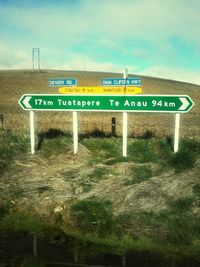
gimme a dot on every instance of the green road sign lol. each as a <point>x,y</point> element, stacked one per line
<point>135,103</point>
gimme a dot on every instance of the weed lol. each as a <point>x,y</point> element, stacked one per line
<point>86,186</point>
<point>4,208</point>
<point>182,204</point>
<point>26,261</point>
<point>139,151</point>
<point>180,230</point>
<point>103,148</point>
<point>55,146</point>
<point>98,174</point>
<point>148,134</point>
<point>140,174</point>
<point>22,222</point>
<point>11,145</point>
<point>94,134</point>
<point>182,160</point>
<point>196,190</point>
<point>186,157</point>
<point>191,145</point>
<point>93,216</point>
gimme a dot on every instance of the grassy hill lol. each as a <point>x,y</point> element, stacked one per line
<point>13,84</point>
<point>145,204</point>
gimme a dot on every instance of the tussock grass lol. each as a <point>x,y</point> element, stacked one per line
<point>93,216</point>
<point>140,174</point>
<point>53,141</point>
<point>11,146</point>
<point>109,150</point>
<point>98,174</point>
<point>186,157</point>
<point>171,230</point>
<point>22,222</point>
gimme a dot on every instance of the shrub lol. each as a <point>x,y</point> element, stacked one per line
<point>196,190</point>
<point>11,145</point>
<point>140,174</point>
<point>139,151</point>
<point>182,204</point>
<point>186,157</point>
<point>148,134</point>
<point>3,209</point>
<point>180,230</point>
<point>25,261</point>
<point>182,160</point>
<point>98,174</point>
<point>22,222</point>
<point>55,145</point>
<point>93,216</point>
<point>103,148</point>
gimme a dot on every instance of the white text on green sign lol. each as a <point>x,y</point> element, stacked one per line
<point>136,103</point>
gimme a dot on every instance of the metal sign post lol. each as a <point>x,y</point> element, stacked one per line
<point>125,123</point>
<point>176,132</point>
<point>75,131</point>
<point>32,131</point>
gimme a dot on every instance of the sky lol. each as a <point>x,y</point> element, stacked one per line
<point>148,37</point>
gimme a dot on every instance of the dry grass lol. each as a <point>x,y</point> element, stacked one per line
<point>13,84</point>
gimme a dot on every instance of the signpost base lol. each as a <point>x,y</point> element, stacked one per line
<point>176,132</point>
<point>125,133</point>
<point>125,123</point>
<point>75,131</point>
<point>32,131</point>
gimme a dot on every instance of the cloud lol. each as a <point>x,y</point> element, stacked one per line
<point>107,35</point>
<point>151,20</point>
<point>81,62</point>
<point>11,58</point>
<point>177,74</point>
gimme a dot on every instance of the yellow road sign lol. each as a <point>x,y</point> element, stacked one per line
<point>104,90</point>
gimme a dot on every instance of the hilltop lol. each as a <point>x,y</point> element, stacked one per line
<point>13,84</point>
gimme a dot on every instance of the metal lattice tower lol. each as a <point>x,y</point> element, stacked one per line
<point>36,59</point>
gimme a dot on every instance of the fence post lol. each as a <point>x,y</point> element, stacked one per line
<point>113,126</point>
<point>124,260</point>
<point>1,120</point>
<point>76,257</point>
<point>34,245</point>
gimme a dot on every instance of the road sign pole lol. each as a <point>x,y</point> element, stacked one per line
<point>32,132</point>
<point>176,132</point>
<point>125,124</point>
<point>75,131</point>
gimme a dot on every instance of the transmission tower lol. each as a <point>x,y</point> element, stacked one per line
<point>36,59</point>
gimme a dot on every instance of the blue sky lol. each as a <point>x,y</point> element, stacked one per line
<point>149,37</point>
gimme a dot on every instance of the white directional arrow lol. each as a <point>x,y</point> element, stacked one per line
<point>26,102</point>
<point>185,103</point>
